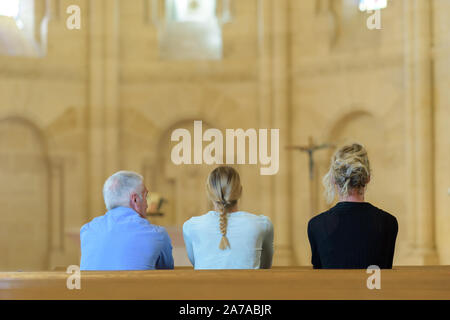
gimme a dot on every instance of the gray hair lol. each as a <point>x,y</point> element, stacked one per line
<point>119,187</point>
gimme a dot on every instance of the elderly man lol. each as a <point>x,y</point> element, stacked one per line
<point>123,239</point>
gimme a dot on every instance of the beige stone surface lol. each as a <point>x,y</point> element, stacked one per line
<point>102,99</point>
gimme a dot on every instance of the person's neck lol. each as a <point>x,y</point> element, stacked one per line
<point>352,198</point>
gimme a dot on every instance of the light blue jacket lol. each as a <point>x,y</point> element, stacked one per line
<point>250,237</point>
<point>122,240</point>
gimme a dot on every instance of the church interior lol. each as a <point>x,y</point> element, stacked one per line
<point>89,88</point>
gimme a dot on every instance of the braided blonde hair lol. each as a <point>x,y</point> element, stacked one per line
<point>224,189</point>
<point>349,171</point>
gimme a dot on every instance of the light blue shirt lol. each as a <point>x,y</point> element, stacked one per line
<point>250,237</point>
<point>122,240</point>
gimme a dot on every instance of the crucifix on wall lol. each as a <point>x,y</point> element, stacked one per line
<point>310,149</point>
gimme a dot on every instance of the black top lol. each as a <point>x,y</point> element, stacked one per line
<point>352,235</point>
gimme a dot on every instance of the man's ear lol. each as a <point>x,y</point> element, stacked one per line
<point>133,201</point>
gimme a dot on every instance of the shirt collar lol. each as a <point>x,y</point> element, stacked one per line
<point>122,211</point>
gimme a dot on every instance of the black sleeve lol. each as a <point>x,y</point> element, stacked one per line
<point>392,239</point>
<point>315,259</point>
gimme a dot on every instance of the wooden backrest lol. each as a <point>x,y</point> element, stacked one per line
<point>284,283</point>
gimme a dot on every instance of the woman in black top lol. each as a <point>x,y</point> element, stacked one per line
<point>353,234</point>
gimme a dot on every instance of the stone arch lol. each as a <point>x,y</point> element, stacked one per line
<point>213,107</point>
<point>24,196</point>
<point>347,119</point>
<point>184,184</point>
<point>192,101</point>
<point>148,124</point>
<point>357,125</point>
<point>371,131</point>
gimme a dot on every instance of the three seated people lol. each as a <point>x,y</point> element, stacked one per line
<point>353,234</point>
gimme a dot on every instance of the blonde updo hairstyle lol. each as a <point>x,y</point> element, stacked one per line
<point>224,190</point>
<point>349,172</point>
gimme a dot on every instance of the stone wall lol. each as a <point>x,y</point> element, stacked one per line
<point>102,100</point>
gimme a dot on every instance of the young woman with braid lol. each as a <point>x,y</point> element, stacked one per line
<point>227,238</point>
<point>353,234</point>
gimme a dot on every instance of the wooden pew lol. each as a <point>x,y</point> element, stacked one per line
<point>279,283</point>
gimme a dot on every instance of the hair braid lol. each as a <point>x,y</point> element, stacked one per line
<point>224,190</point>
<point>223,230</point>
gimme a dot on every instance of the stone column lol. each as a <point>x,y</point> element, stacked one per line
<point>56,223</point>
<point>112,66</point>
<point>281,115</point>
<point>274,114</point>
<point>265,92</point>
<point>441,73</point>
<point>420,144</point>
<point>103,100</point>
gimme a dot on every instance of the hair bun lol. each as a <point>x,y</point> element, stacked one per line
<point>349,171</point>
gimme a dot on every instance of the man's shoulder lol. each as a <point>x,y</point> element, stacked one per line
<point>153,228</point>
<point>95,222</point>
<point>146,231</point>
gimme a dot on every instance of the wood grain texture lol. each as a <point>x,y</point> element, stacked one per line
<point>280,283</point>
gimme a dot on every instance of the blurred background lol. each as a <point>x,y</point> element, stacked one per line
<point>88,88</point>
